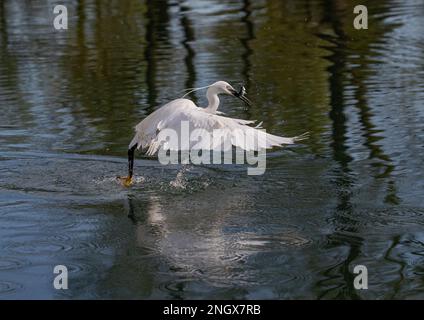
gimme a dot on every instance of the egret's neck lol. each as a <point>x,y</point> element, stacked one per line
<point>213,101</point>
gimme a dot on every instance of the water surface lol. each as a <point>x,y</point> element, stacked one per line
<point>352,194</point>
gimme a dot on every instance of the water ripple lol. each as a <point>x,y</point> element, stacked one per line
<point>7,263</point>
<point>37,248</point>
<point>8,287</point>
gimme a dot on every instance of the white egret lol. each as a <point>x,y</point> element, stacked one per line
<point>172,114</point>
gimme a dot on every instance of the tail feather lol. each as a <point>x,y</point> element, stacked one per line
<point>301,137</point>
<point>273,140</point>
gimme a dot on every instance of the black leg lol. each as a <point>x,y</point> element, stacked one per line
<point>131,161</point>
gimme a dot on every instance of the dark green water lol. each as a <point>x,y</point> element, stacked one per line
<point>352,194</point>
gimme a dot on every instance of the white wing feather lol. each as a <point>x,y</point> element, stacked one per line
<point>171,115</point>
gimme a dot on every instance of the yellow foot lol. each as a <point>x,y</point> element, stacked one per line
<point>125,181</point>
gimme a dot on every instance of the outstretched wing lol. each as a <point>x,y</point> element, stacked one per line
<point>185,127</point>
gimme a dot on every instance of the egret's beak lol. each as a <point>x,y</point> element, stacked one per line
<point>241,95</point>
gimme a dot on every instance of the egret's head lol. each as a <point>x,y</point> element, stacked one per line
<point>225,87</point>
